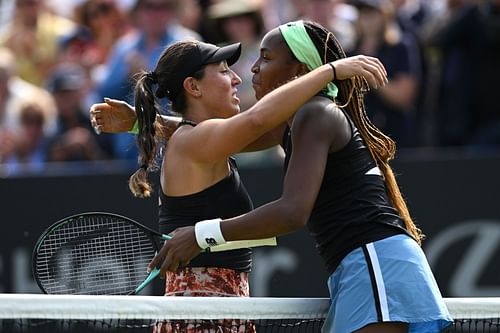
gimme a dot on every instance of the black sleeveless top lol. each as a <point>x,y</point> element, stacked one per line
<point>225,199</point>
<point>352,208</point>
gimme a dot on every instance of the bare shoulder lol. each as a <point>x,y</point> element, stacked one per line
<point>323,119</point>
<point>319,110</point>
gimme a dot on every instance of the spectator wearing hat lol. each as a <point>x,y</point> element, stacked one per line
<point>75,139</point>
<point>240,21</point>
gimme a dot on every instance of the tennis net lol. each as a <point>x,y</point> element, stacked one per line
<point>74,313</point>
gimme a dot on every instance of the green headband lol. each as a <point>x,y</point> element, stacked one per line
<point>303,49</point>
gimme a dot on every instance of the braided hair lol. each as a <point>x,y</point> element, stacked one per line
<point>351,98</point>
<point>147,107</point>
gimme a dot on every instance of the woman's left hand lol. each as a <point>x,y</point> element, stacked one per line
<point>176,252</point>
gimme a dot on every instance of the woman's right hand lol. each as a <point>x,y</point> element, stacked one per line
<point>112,116</point>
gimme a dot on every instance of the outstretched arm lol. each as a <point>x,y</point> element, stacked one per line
<point>289,213</point>
<point>115,116</point>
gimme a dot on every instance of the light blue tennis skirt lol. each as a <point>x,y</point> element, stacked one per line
<point>385,281</point>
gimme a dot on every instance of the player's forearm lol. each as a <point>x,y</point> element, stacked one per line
<point>273,219</point>
<point>280,104</point>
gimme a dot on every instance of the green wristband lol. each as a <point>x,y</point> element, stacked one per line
<point>135,128</point>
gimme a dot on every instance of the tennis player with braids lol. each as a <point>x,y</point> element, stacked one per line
<point>199,179</point>
<point>339,183</point>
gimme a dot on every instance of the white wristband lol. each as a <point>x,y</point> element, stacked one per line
<point>208,233</point>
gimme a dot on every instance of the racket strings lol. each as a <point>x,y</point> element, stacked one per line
<point>94,255</point>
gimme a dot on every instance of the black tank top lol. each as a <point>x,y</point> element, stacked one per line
<point>225,199</point>
<point>352,208</point>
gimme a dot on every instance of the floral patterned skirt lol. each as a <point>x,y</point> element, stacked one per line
<point>206,281</point>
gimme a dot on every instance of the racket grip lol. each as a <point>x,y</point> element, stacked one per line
<point>154,273</point>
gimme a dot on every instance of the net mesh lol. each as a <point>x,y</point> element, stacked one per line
<point>87,313</point>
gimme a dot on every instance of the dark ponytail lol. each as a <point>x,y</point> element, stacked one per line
<point>146,110</point>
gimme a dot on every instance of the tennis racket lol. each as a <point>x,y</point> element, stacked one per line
<point>100,253</point>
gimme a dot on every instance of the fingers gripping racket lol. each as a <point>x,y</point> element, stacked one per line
<point>103,254</point>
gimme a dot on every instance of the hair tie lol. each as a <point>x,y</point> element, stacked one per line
<point>145,167</point>
<point>152,76</point>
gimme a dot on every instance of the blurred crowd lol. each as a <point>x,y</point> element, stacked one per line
<point>58,58</point>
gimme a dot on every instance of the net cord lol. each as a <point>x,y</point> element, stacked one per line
<point>86,307</point>
<point>83,307</point>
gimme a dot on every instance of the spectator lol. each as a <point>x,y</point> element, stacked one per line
<point>276,12</point>
<point>33,35</point>
<point>15,92</point>
<point>100,24</point>
<point>27,148</point>
<point>75,139</point>
<point>190,14</point>
<point>468,112</point>
<point>155,27</point>
<point>392,108</point>
<point>336,15</point>
<point>412,17</point>
<point>240,21</point>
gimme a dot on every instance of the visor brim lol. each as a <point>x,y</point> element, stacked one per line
<point>230,53</point>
